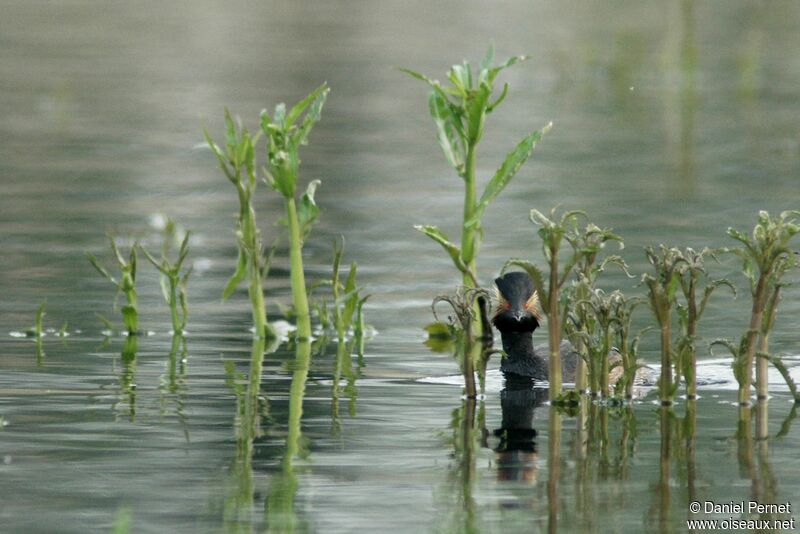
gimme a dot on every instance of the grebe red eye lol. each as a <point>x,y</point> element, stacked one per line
<point>507,306</point>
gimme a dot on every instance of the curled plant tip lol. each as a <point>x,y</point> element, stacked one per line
<point>463,304</point>
<point>784,371</point>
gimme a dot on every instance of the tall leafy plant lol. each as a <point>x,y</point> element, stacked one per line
<point>692,275</point>
<point>238,162</point>
<point>459,110</point>
<point>587,244</point>
<point>661,292</point>
<point>552,231</point>
<point>766,257</point>
<point>286,131</point>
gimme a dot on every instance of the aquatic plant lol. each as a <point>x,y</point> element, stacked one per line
<point>627,343</point>
<point>766,258</point>
<point>348,304</point>
<point>238,163</point>
<point>284,138</point>
<point>605,308</point>
<point>126,284</point>
<point>552,232</point>
<point>691,272</point>
<point>472,356</point>
<point>345,313</point>
<point>586,247</point>
<point>662,290</point>
<point>763,350</point>
<point>459,111</point>
<point>37,330</point>
<point>173,277</point>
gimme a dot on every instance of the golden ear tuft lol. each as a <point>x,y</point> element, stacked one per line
<point>500,302</point>
<point>533,306</point>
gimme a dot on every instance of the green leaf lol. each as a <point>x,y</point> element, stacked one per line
<point>352,299</point>
<point>158,265</point>
<point>40,313</point>
<point>184,250</point>
<point>441,238</point>
<point>419,76</point>
<point>787,377</point>
<point>108,324</point>
<point>486,62</point>
<point>493,72</point>
<point>338,250</point>
<point>461,78</point>
<point>441,337</point>
<point>308,211</point>
<point>477,103</point>
<point>499,99</point>
<point>447,132</point>
<point>230,133</point>
<point>165,287</point>
<point>301,106</point>
<point>223,160</point>
<point>100,268</point>
<point>313,116</point>
<point>238,276</point>
<point>506,172</point>
<point>434,84</point>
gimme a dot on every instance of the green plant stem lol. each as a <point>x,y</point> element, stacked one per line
<point>580,371</point>
<point>469,237</point>
<point>256,292</point>
<point>177,328</point>
<point>762,364</point>
<point>756,317</point>
<point>299,294</point>
<point>666,368</point>
<point>627,362</point>
<point>469,367</point>
<point>131,320</point>
<point>554,329</point>
<point>691,333</point>
<point>606,346</point>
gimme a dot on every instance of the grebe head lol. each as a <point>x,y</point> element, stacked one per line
<point>517,303</point>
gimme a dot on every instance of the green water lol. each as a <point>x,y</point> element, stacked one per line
<point>672,121</point>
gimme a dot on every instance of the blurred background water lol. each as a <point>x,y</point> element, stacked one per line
<point>672,121</point>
